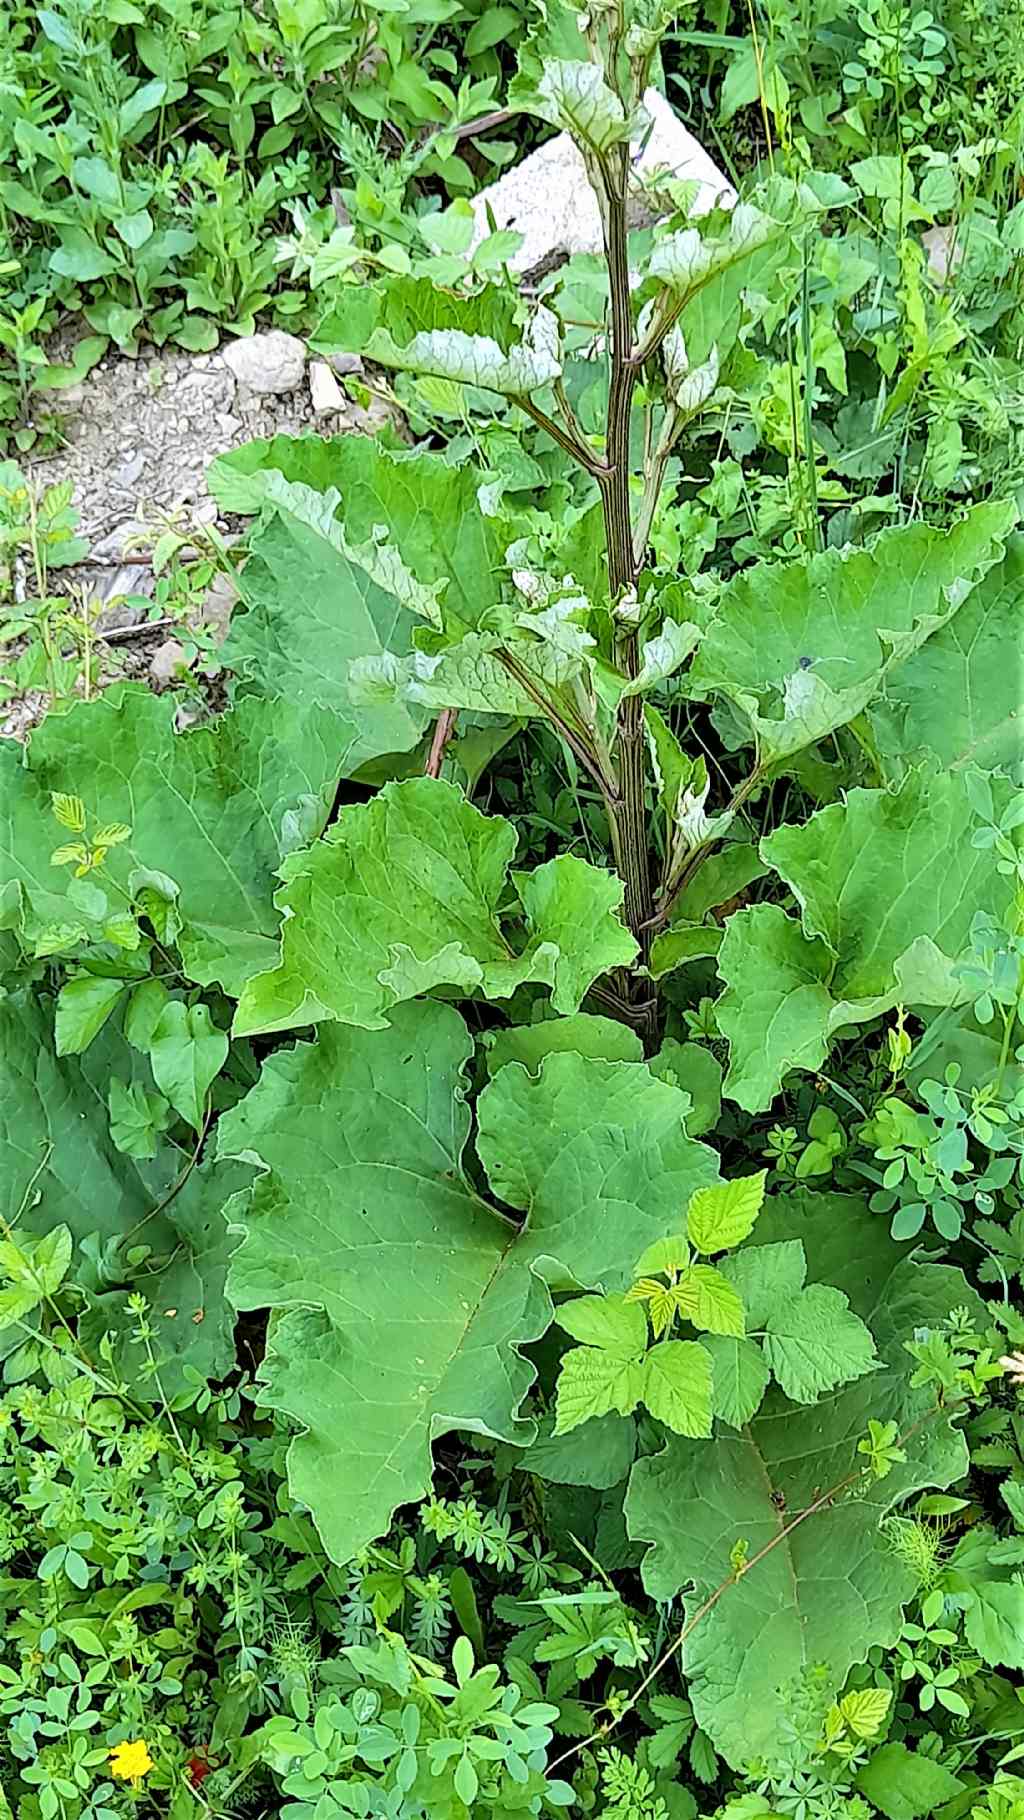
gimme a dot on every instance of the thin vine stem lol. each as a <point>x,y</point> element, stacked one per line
<point>820,1503</point>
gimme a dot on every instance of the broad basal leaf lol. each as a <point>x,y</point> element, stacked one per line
<point>403,894</point>
<point>312,612</point>
<point>960,697</point>
<point>216,809</point>
<point>599,1456</point>
<point>59,1166</point>
<point>400,1299</point>
<point>994,1623</point>
<point>427,504</point>
<point>602,1038</point>
<point>889,883</point>
<point>802,647</point>
<point>830,1588</point>
<point>410,324</point>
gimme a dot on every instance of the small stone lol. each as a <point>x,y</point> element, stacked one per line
<point>272,362</point>
<point>218,606</point>
<point>229,424</point>
<point>129,471</point>
<point>344,364</point>
<point>166,661</point>
<point>206,513</point>
<point>324,390</point>
<point>116,541</point>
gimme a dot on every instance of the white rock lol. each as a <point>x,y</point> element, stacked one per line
<point>945,251</point>
<point>228,424</point>
<point>274,362</point>
<point>548,199</point>
<point>324,390</point>
<point>167,660</point>
<point>218,606</point>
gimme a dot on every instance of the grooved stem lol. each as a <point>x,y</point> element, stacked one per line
<point>629,821</point>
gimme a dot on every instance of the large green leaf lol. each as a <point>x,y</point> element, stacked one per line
<point>428,505</point>
<point>961,696</point>
<point>59,1166</point>
<point>410,324</point>
<point>311,613</point>
<point>216,809</point>
<point>400,1298</point>
<point>831,1589</point>
<point>54,1126</point>
<point>802,647</point>
<point>403,894</point>
<point>889,883</point>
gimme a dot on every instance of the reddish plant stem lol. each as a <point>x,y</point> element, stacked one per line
<point>443,731</point>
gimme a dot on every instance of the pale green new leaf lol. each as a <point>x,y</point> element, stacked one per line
<point>802,647</point>
<point>592,1383</point>
<point>611,1322</point>
<point>471,674</point>
<point>409,324</point>
<point>959,697</point>
<point>687,258</point>
<point>831,1588</point>
<point>719,1218</point>
<point>889,883</point>
<point>710,1301</point>
<point>575,97</point>
<point>403,894</point>
<point>677,1386</point>
<point>216,805</point>
<point>400,1299</point>
<point>815,1342</point>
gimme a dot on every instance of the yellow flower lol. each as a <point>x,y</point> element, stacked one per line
<point>131,1761</point>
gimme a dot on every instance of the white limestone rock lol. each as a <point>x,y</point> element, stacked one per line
<point>271,362</point>
<point>548,199</point>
